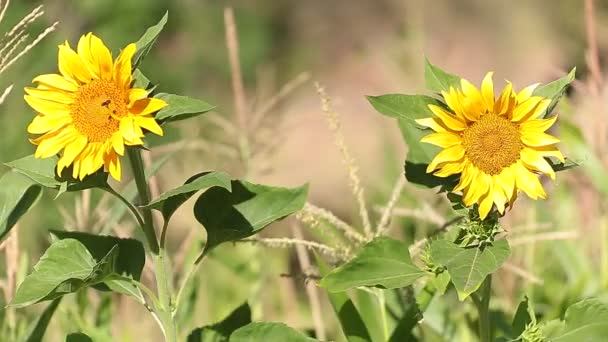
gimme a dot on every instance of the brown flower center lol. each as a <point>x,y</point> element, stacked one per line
<point>492,143</point>
<point>97,109</point>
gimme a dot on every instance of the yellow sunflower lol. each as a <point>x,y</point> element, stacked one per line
<point>89,112</point>
<point>497,145</point>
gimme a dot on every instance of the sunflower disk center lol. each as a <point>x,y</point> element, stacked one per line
<point>492,143</point>
<point>97,109</point>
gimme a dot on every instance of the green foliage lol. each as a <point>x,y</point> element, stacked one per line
<point>220,332</point>
<point>78,337</point>
<point>249,208</point>
<point>17,195</point>
<point>170,201</point>
<point>383,262</point>
<point>65,267</point>
<point>145,43</point>
<point>350,321</point>
<point>438,80</point>
<point>129,262</point>
<point>469,266</point>
<point>180,107</point>
<point>268,332</point>
<point>586,320</point>
<point>555,90</point>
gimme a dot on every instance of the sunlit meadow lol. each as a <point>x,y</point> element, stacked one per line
<point>303,171</point>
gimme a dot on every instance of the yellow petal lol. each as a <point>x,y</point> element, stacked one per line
<point>537,125</point>
<point>53,143</point>
<point>505,101</point>
<point>147,106</point>
<point>71,66</point>
<point>538,139</point>
<point>536,162</point>
<point>486,201</point>
<point>487,91</point>
<point>51,95</point>
<point>433,124</point>
<point>112,164</point>
<point>46,123</point>
<point>454,101</point>
<point>84,52</point>
<point>98,56</point>
<point>478,187</point>
<point>528,182</point>
<point>56,81</point>
<point>498,195</point>
<point>130,132</point>
<point>449,154</point>
<point>506,181</point>
<point>136,94</point>
<point>442,139</point>
<point>118,143</point>
<point>71,151</point>
<point>149,123</point>
<point>468,173</point>
<point>450,169</point>
<point>47,107</point>
<point>525,93</point>
<point>525,108</point>
<point>550,151</point>
<point>123,68</point>
<point>450,120</point>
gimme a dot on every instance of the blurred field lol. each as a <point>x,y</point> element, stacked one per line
<point>354,48</point>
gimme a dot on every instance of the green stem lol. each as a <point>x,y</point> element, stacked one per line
<point>482,300</point>
<point>161,269</point>
<point>133,210</point>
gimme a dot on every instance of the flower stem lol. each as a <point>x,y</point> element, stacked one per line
<point>482,300</point>
<point>137,167</point>
<point>161,269</point>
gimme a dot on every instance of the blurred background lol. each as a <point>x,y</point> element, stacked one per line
<point>353,48</point>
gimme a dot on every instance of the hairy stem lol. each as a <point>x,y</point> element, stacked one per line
<point>482,301</point>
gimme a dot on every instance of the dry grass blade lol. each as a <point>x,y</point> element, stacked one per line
<point>388,210</point>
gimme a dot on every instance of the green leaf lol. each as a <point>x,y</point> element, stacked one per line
<point>555,90</point>
<point>566,165</point>
<point>129,261</point>
<point>406,107</point>
<point>220,332</point>
<point>249,208</point>
<point>168,202</point>
<point>145,43</point>
<point>41,171</point>
<point>350,321</point>
<point>140,80</point>
<point>17,195</point>
<point>468,267</point>
<point>180,107</point>
<point>408,320</point>
<point>586,320</point>
<point>383,262</point>
<point>441,282</point>
<point>268,332</point>
<point>78,337</point>
<point>524,315</point>
<point>65,267</point>
<point>38,328</point>
<point>438,80</point>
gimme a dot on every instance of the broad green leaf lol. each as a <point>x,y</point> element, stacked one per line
<point>168,202</point>
<point>406,107</point>
<point>438,80</point>
<point>383,262</point>
<point>180,107</point>
<point>37,330</point>
<point>268,332</point>
<point>468,267</point>
<point>17,195</point>
<point>78,337</point>
<point>249,208</point>
<point>368,306</point>
<point>524,315</point>
<point>140,80</point>
<point>586,320</point>
<point>441,282</point>
<point>350,321</point>
<point>145,43</point>
<point>65,267</point>
<point>555,90</point>
<point>42,171</point>
<point>129,261</point>
<point>220,332</point>
<point>566,165</point>
<point>407,321</point>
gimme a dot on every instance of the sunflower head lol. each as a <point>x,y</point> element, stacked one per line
<point>497,145</point>
<point>89,112</point>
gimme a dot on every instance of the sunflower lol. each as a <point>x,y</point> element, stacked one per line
<point>497,145</point>
<point>89,112</point>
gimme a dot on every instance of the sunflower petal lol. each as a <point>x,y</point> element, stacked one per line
<point>123,68</point>
<point>538,139</point>
<point>51,95</point>
<point>505,100</point>
<point>450,120</point>
<point>536,162</point>
<point>442,139</point>
<point>525,108</point>
<point>486,201</point>
<point>46,123</point>
<point>526,93</point>
<point>450,169</point>
<point>528,182</point>
<point>71,65</point>
<point>487,91</point>
<point>537,125</point>
<point>432,123</point>
<point>449,154</point>
<point>56,81</point>
<point>147,106</point>
<point>102,57</point>
<point>47,107</point>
